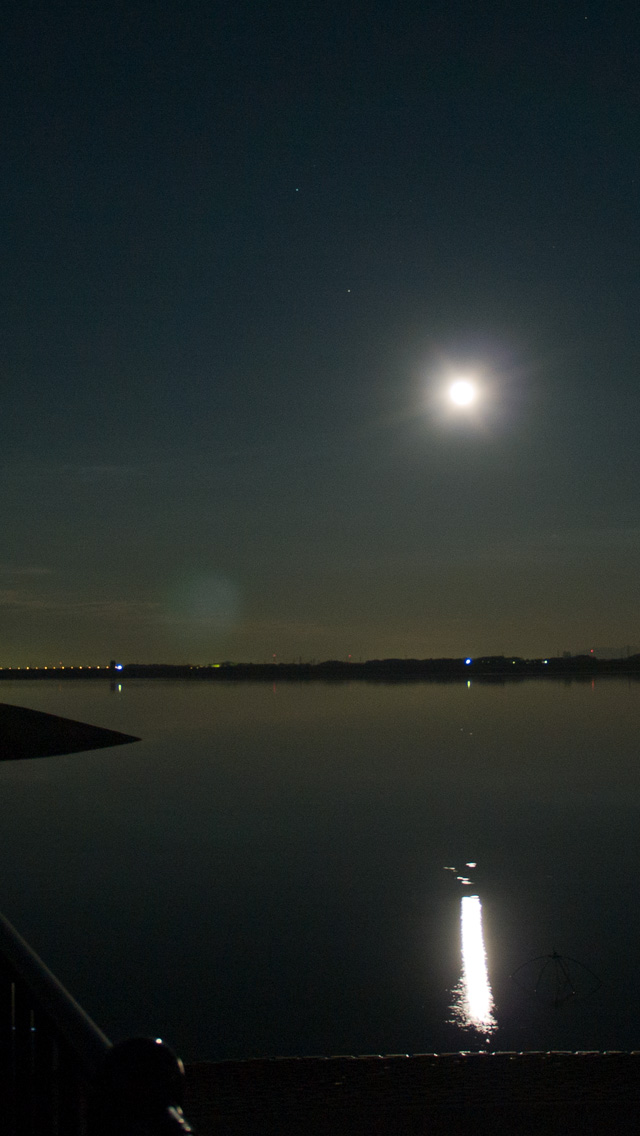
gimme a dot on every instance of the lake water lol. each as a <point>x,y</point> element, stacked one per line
<point>268,872</point>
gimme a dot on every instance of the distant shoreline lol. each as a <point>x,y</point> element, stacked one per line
<point>486,667</point>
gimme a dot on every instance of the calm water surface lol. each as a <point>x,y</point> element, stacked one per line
<point>283,871</point>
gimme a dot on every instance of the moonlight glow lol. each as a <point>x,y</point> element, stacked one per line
<point>463,392</point>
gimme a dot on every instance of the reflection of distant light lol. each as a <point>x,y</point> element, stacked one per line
<point>468,684</point>
<point>119,688</point>
<point>473,1005</point>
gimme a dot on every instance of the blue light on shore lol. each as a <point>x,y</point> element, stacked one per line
<point>118,666</point>
<point>468,662</point>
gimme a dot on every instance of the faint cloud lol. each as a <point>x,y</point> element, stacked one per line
<point>32,570</point>
<point>297,627</point>
<point>35,471</point>
<point>141,611</point>
<point>554,546</point>
<point>138,611</point>
<point>109,473</point>
<point>20,598</point>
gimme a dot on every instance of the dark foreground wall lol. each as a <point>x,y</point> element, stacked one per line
<point>30,733</point>
<point>447,1095</point>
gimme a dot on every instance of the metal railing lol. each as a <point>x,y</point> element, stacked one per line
<point>60,1075</point>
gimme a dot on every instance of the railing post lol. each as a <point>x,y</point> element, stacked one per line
<point>141,1091</point>
<point>60,1075</point>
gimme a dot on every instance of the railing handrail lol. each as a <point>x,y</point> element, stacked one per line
<point>135,1086</point>
<point>89,1044</point>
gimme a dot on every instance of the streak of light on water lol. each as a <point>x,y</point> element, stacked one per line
<point>473,1005</point>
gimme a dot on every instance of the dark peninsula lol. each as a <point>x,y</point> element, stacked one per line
<point>28,733</point>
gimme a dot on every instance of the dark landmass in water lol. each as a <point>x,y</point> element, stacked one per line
<point>489,667</point>
<point>29,733</point>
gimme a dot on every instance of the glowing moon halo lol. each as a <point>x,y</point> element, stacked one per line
<point>462,392</point>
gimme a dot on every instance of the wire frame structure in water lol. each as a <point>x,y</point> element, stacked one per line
<point>554,979</point>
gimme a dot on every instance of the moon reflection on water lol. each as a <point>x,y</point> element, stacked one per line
<point>473,1005</point>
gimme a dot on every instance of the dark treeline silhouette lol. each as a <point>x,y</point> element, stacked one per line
<point>487,667</point>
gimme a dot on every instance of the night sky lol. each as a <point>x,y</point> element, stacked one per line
<point>246,248</point>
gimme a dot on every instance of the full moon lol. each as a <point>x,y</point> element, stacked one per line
<point>462,392</point>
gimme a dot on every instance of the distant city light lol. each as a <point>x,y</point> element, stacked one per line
<point>468,662</point>
<point>118,666</point>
